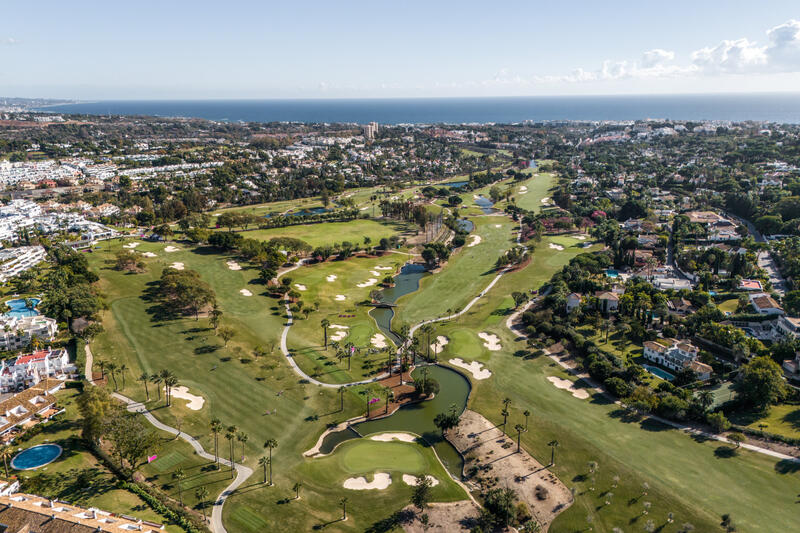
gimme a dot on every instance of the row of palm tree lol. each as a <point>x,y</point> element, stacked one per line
<point>167,377</point>
<point>113,368</point>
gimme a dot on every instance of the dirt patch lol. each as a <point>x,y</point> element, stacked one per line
<point>487,449</point>
<point>443,517</point>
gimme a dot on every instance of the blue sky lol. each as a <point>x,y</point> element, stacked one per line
<point>239,49</point>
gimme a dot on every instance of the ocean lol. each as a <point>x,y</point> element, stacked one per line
<point>774,107</point>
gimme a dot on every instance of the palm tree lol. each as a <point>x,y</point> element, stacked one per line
<point>230,434</point>
<point>216,427</point>
<point>164,375</point>
<point>389,397</point>
<point>341,398</point>
<point>123,368</point>
<point>5,453</point>
<point>242,437</point>
<point>263,462</point>
<point>519,428</point>
<point>325,323</point>
<point>201,494</point>
<point>526,414</point>
<point>144,378</point>
<point>112,367</point>
<point>270,444</point>
<point>179,475</point>
<point>156,380</point>
<point>103,365</point>
<point>343,503</point>
<point>296,489</point>
<point>553,445</point>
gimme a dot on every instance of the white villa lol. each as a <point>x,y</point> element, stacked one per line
<point>29,369</point>
<point>17,332</point>
<point>676,356</point>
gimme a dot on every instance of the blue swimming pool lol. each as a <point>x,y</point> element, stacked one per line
<point>611,273</point>
<point>663,374</point>
<point>36,456</point>
<point>19,308</point>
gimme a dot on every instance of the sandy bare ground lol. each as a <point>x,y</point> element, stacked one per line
<point>476,240</point>
<point>195,403</point>
<point>492,341</point>
<point>245,292</point>
<point>475,368</point>
<point>438,346</point>
<point>566,384</point>
<point>380,481</point>
<point>148,254</point>
<point>177,266</point>
<point>442,517</point>
<point>410,480</point>
<point>481,443</point>
<point>555,246</point>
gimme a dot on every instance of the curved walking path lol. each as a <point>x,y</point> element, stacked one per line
<point>242,472</point>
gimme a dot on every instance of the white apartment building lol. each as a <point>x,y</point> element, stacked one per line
<point>28,370</point>
<point>16,260</point>
<point>17,332</point>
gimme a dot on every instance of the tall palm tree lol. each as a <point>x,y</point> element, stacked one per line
<point>179,475</point>
<point>242,437</point>
<point>230,434</point>
<point>156,380</point>
<point>553,445</point>
<point>170,381</point>
<point>144,378</point>
<point>270,444</point>
<point>123,369</point>
<point>325,323</point>
<point>103,365</point>
<point>6,452</point>
<point>343,503</point>
<point>296,489</point>
<point>165,374</point>
<point>216,427</point>
<point>526,414</point>
<point>263,462</point>
<point>112,367</point>
<point>389,397</point>
<point>519,428</point>
<point>201,494</point>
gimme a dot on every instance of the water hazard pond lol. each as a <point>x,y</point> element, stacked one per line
<point>418,418</point>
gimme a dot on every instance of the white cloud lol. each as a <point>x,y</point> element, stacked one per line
<point>656,57</point>
<point>8,41</point>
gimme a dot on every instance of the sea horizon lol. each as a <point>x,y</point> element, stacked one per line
<point>783,107</point>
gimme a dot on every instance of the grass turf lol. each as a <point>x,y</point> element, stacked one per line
<point>323,233</point>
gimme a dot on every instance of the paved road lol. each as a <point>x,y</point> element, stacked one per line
<point>765,259</point>
<point>242,472</point>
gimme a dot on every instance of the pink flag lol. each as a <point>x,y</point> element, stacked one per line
<point>374,400</point>
<point>152,458</point>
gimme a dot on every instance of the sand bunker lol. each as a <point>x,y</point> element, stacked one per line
<point>523,190</point>
<point>387,437</point>
<point>369,283</point>
<point>245,292</point>
<point>475,368</point>
<point>475,196</point>
<point>498,225</point>
<point>580,237</point>
<point>374,273</point>
<point>555,246</point>
<point>476,240</point>
<point>570,386</point>
<point>195,403</point>
<point>378,341</point>
<point>379,482</point>
<point>545,200</point>
<point>439,345</point>
<point>340,297</point>
<point>177,266</point>
<point>148,254</point>
<point>331,278</point>
<point>170,249</point>
<point>412,480</point>
<point>383,268</point>
<point>131,245</point>
<point>364,208</point>
<point>340,334</point>
<point>492,341</point>
<point>233,265</point>
<point>300,287</point>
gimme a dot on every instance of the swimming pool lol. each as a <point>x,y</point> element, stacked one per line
<point>663,374</point>
<point>611,273</point>
<point>36,456</point>
<point>19,309</point>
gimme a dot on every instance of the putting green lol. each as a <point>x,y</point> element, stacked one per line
<point>369,456</point>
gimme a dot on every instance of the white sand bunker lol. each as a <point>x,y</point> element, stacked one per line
<point>374,272</point>
<point>170,249</point>
<point>523,190</point>
<point>545,200</point>
<point>580,237</point>
<point>387,437</point>
<point>555,246</point>
<point>379,482</point>
<point>233,265</point>
<point>148,254</point>
<point>340,297</point>
<point>568,385</point>
<point>341,332</point>
<point>300,287</point>
<point>245,292</point>
<point>330,278</point>
<point>475,368</point>
<point>412,480</point>
<point>439,345</point>
<point>195,403</point>
<point>383,268</point>
<point>369,283</point>
<point>131,245</point>
<point>177,266</point>
<point>492,341</point>
<point>475,196</point>
<point>498,225</point>
<point>476,240</point>
<point>378,341</point>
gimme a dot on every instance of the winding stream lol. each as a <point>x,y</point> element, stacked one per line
<point>407,281</point>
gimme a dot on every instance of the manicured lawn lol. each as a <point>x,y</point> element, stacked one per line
<point>729,305</point>
<point>782,420</point>
<point>353,231</point>
<point>539,187</point>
